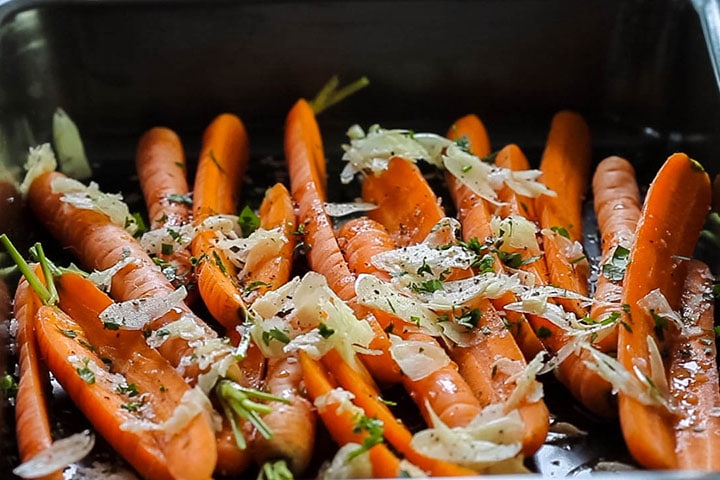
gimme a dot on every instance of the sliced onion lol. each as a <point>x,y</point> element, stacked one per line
<point>59,455</point>
<point>135,314</point>
<point>417,359</point>
<point>345,209</point>
<point>40,159</point>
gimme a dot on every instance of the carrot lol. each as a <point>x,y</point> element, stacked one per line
<point>617,208</point>
<point>223,161</point>
<point>292,424</point>
<point>341,423</point>
<point>443,390</point>
<point>471,127</point>
<point>160,165</point>
<point>566,169</point>
<point>324,255</point>
<point>32,422</point>
<point>265,273</point>
<point>407,206</point>
<point>100,244</point>
<point>368,398</point>
<point>694,374</point>
<point>512,158</point>
<point>188,454</point>
<point>667,232</point>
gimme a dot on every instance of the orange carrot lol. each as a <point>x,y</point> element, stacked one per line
<point>693,374</point>
<point>367,397</point>
<point>667,232</point>
<point>512,158</point>
<point>566,169</point>
<point>100,244</point>
<point>474,215</point>
<point>223,161</point>
<point>617,208</point>
<point>292,424</point>
<point>407,206</point>
<point>190,453</point>
<point>471,127</point>
<point>160,165</point>
<point>32,422</point>
<point>265,273</point>
<point>324,255</point>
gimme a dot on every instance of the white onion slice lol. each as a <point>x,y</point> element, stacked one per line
<point>59,455</point>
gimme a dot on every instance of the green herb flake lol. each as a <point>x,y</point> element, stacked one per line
<point>252,286</point>
<point>8,386</point>
<point>211,154</point>
<point>275,334</point>
<point>466,168</point>
<point>129,389</point>
<point>219,262</point>
<point>428,286</point>
<point>111,325</point>
<point>248,221</point>
<point>424,268</point>
<point>375,430</point>
<point>85,373</point>
<point>464,143</point>
<point>70,333</point>
<point>614,269</point>
<point>543,332</point>
<point>562,231</point>
<point>180,198</point>
<point>470,319</point>
<point>166,249</point>
<point>324,330</point>
<point>86,344</point>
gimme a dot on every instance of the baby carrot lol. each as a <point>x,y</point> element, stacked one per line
<point>666,234</point>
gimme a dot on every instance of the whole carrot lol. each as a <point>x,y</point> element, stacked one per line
<point>32,424</point>
<point>666,234</point>
<point>160,165</point>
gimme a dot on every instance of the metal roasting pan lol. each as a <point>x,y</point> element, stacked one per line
<point>642,72</point>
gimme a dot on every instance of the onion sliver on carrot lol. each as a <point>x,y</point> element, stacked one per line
<point>666,235</point>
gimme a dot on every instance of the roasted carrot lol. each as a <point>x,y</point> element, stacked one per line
<point>292,424</point>
<point>32,424</point>
<point>513,203</point>
<point>324,255</point>
<point>617,202</point>
<point>693,373</point>
<point>224,158</point>
<point>472,128</point>
<point>407,206</point>
<point>270,272</point>
<point>82,374</point>
<point>666,234</point>
<point>100,244</point>
<point>160,165</point>
<point>474,215</point>
<point>443,390</point>
<point>566,169</point>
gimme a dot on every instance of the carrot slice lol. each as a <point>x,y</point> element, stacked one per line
<point>667,232</point>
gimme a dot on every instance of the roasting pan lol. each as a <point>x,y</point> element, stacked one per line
<point>642,72</point>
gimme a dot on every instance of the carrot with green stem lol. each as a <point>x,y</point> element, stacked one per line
<point>32,420</point>
<point>324,255</point>
<point>665,237</point>
<point>161,169</point>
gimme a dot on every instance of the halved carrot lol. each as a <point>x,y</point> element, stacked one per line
<point>32,424</point>
<point>512,158</point>
<point>407,206</point>
<point>693,374</point>
<point>190,453</point>
<point>224,158</point>
<point>667,232</point>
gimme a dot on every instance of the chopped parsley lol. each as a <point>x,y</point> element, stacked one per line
<point>8,385</point>
<point>183,199</point>
<point>211,154</point>
<point>166,249</point>
<point>562,231</point>
<point>543,332</point>
<point>614,269</point>
<point>275,334</point>
<point>248,221</point>
<point>428,286</point>
<point>325,331</point>
<point>424,268</point>
<point>485,264</point>
<point>129,389</point>
<point>515,260</point>
<point>85,373</point>
<point>375,430</point>
<point>464,144</point>
<point>70,333</point>
<point>219,262</point>
<point>111,325</point>
<point>470,319</point>
<point>661,324</point>
<point>254,285</point>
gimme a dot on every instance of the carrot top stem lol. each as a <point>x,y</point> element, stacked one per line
<point>47,294</point>
<point>329,95</point>
<point>241,401</point>
<point>277,470</point>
